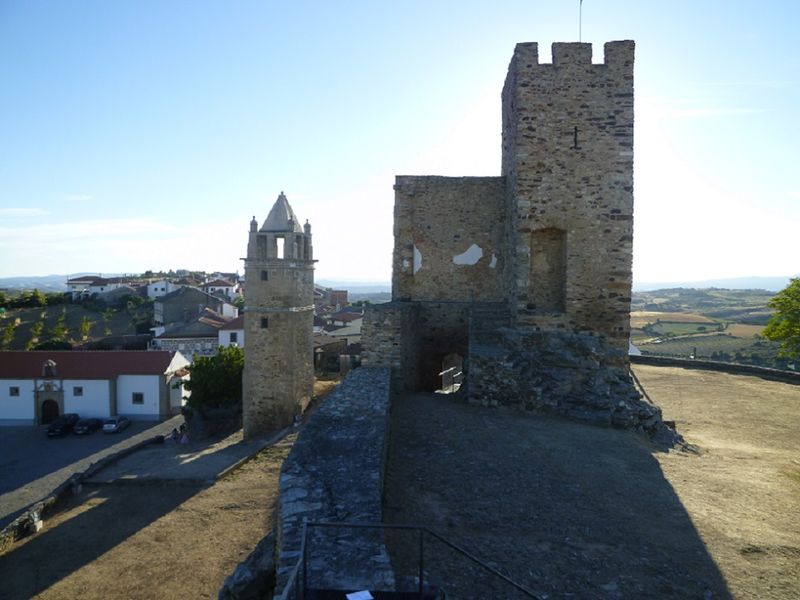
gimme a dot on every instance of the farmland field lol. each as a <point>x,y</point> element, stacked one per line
<point>714,324</point>
<point>641,318</point>
<point>743,330</point>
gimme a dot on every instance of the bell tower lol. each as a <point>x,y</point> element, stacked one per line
<point>278,321</point>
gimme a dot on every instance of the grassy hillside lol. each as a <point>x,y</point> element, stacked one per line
<point>25,328</point>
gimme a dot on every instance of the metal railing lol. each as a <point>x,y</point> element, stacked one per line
<point>297,585</point>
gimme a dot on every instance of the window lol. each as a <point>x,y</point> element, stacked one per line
<point>234,337</point>
<point>13,391</point>
<point>138,398</point>
<point>264,275</point>
<point>264,322</point>
<point>77,390</point>
<point>548,271</point>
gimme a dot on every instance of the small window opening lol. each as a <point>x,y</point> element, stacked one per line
<point>13,391</point>
<point>264,322</point>
<point>264,275</point>
<point>138,398</point>
<point>77,390</point>
<point>280,241</point>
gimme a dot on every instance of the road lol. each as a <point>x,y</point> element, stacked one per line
<point>32,465</point>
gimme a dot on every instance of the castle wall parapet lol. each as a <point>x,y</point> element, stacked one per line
<point>334,473</point>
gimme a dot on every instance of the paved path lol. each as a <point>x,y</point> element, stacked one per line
<point>197,462</point>
<point>32,466</point>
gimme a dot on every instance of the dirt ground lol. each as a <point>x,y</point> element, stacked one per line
<point>575,511</point>
<point>148,541</point>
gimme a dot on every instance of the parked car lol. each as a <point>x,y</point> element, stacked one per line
<point>85,426</point>
<point>62,425</point>
<point>115,424</point>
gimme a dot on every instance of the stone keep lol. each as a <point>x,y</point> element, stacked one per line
<point>278,321</point>
<point>527,276</point>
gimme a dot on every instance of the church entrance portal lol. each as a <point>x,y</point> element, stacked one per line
<point>49,411</point>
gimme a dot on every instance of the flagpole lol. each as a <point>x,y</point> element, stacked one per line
<point>580,20</point>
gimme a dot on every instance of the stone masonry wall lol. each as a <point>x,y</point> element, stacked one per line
<point>568,160</point>
<point>387,335</point>
<point>575,375</point>
<point>334,473</point>
<point>449,238</point>
<point>279,371</point>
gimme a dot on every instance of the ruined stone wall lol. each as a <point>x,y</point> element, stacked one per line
<point>413,338</point>
<point>568,160</point>
<point>571,374</point>
<point>449,238</point>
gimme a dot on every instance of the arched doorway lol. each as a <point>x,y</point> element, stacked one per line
<point>49,411</point>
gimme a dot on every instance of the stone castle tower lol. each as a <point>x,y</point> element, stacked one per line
<point>526,277</point>
<point>568,164</point>
<point>278,321</point>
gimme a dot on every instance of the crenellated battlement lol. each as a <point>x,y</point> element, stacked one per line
<point>568,54</point>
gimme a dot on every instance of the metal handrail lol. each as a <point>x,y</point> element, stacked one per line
<point>292,579</point>
<point>422,530</point>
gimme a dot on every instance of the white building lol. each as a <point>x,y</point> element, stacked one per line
<point>221,287</point>
<point>232,333</point>
<point>87,285</point>
<point>36,387</point>
<point>156,289</point>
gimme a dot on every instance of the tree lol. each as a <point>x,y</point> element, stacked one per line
<point>85,328</point>
<point>36,331</point>
<point>59,332</point>
<point>8,335</point>
<point>784,326</point>
<point>216,381</point>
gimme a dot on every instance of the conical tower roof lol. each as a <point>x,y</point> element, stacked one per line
<point>281,218</point>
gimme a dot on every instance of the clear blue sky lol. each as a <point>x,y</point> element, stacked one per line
<point>144,135</point>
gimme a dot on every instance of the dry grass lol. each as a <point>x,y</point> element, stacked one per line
<point>742,330</point>
<point>640,318</point>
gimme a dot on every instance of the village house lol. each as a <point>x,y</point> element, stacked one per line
<point>162,287</point>
<point>37,387</point>
<point>220,287</point>
<point>345,325</point>
<point>197,337</point>
<point>186,304</point>
<point>232,333</point>
<point>327,350</point>
<point>88,285</point>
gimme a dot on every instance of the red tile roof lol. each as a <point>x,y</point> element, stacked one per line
<point>219,283</point>
<point>100,364</point>
<point>237,323</point>
<point>346,317</point>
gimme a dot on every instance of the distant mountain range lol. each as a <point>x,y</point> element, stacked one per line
<point>364,287</point>
<point>772,284</point>
<point>44,283</point>
<point>57,283</point>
